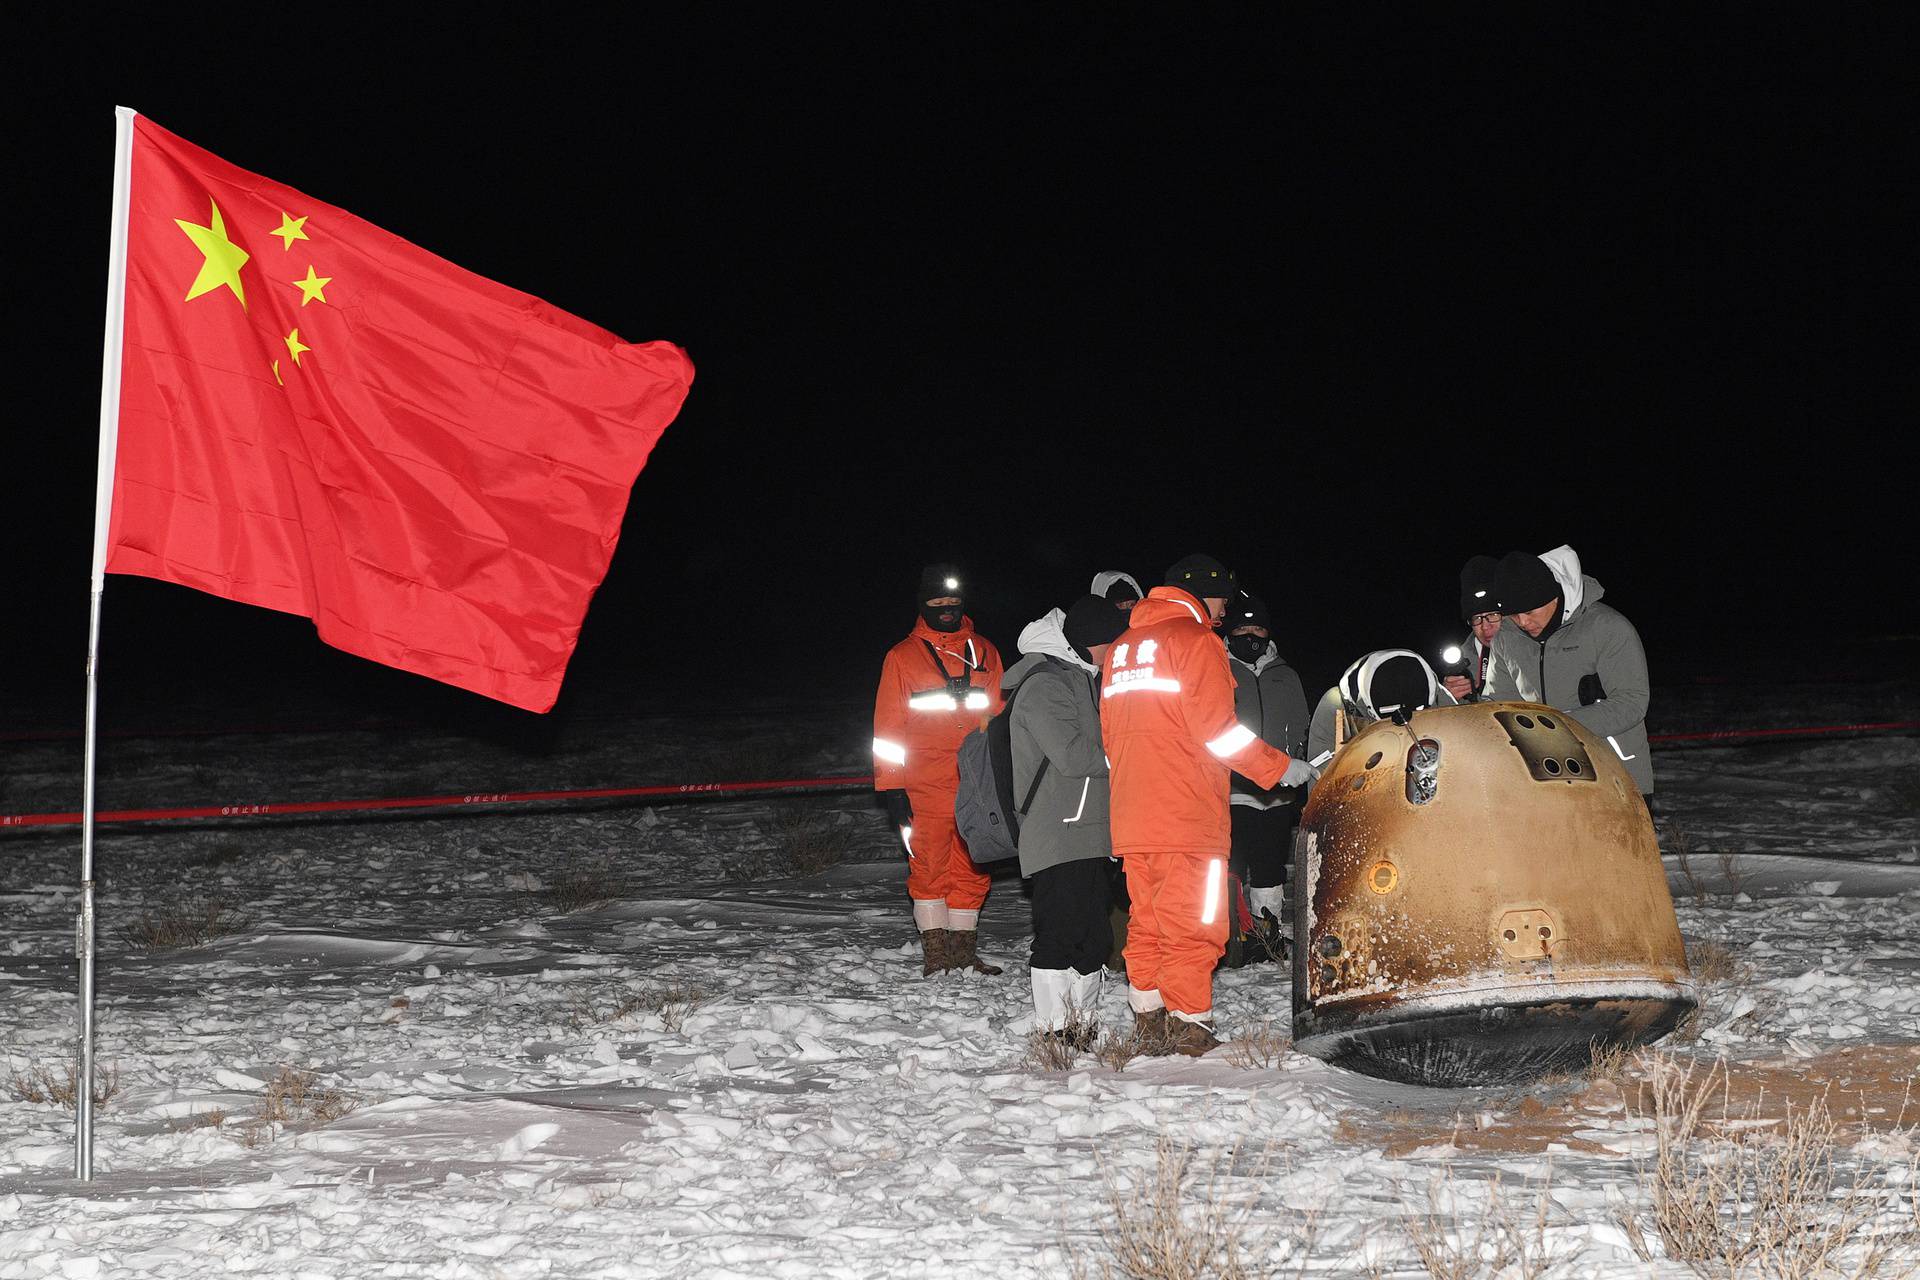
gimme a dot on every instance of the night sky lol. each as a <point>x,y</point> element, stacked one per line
<point>1339,297</point>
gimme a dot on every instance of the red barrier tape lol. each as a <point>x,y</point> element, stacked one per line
<point>438,802</point>
<point>713,789</point>
<point>1730,735</point>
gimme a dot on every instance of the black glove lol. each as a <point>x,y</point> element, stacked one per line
<point>899,808</point>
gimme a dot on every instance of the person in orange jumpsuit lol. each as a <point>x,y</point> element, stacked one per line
<point>1172,740</point>
<point>937,685</point>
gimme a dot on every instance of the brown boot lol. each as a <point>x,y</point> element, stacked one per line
<point>1194,1039</point>
<point>1150,1031</point>
<point>961,955</point>
<point>935,952</point>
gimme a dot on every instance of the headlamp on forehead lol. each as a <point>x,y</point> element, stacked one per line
<point>953,584</point>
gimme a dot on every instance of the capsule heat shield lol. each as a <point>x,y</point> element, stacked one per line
<point>1479,899</point>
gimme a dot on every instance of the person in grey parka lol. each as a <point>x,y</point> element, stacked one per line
<point>1268,699</point>
<point>1060,783</point>
<point>1574,653</point>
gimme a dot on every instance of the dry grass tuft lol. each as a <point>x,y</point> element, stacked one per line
<point>1262,1047</point>
<point>187,924</point>
<point>62,1089</point>
<point>1690,860</point>
<point>1614,1061</point>
<point>1489,1239</point>
<point>671,1001</point>
<point>1715,962</point>
<point>1119,1047</point>
<point>1186,1222</point>
<point>1059,1050</point>
<point>199,1120</point>
<point>1733,1195</point>
<point>581,886</point>
<point>295,1101</point>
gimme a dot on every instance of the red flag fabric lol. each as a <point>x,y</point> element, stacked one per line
<point>318,417</point>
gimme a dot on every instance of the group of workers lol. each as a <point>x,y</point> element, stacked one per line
<point>1165,731</point>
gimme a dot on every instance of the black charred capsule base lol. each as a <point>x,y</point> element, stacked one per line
<point>1494,1044</point>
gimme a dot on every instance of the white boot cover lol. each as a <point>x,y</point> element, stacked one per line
<point>1083,994</point>
<point>1050,988</point>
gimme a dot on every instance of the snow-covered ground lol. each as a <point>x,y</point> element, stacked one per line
<point>805,1104</point>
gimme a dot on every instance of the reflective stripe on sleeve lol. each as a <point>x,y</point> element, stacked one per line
<point>1212,899</point>
<point>1231,742</point>
<point>890,752</point>
<point>1153,684</point>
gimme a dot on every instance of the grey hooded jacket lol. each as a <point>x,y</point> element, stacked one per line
<point>1593,639</point>
<point>1057,717</point>
<point>1268,699</point>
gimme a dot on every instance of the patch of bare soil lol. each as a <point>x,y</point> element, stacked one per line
<point>1866,1088</point>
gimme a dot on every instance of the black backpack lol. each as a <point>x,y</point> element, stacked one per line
<point>984,811</point>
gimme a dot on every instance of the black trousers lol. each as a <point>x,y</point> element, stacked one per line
<point>1262,844</point>
<point>1071,929</point>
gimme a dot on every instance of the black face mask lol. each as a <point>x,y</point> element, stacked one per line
<point>1248,647</point>
<point>1553,623</point>
<point>944,617</point>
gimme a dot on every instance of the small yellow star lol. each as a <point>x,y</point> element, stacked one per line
<point>289,229</point>
<point>310,288</point>
<point>295,346</point>
<point>223,258</point>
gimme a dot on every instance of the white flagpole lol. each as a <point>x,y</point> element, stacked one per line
<point>110,355</point>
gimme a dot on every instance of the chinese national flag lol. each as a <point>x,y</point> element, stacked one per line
<point>318,417</point>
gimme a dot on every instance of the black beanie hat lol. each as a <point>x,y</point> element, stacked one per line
<point>1248,611</point>
<point>1093,620</point>
<point>938,580</point>
<point>1524,583</point>
<point>1479,586</point>
<point>1400,684</point>
<point>1203,576</point>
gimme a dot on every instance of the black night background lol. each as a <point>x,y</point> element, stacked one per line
<point>1341,295</point>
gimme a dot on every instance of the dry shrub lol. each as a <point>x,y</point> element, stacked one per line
<point>62,1089</point>
<point>1261,1048</point>
<point>1730,1197</point>
<point>1715,962</point>
<point>1612,1061</point>
<point>672,1001</point>
<point>1059,1050</point>
<point>1680,845</point>
<point>1491,1239</point>
<point>199,1120</point>
<point>295,1101</point>
<point>1119,1047</point>
<point>812,840</point>
<point>187,924</point>
<point>581,886</point>
<point>1184,1222</point>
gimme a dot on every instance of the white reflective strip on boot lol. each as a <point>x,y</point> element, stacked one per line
<point>929,913</point>
<point>1083,994</point>
<point>1144,1001</point>
<point>1050,987</point>
<point>962,921</point>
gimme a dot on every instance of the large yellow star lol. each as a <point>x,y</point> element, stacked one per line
<point>290,229</point>
<point>223,261</point>
<point>310,288</point>
<point>295,346</point>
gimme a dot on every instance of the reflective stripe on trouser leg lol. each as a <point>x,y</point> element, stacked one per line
<point>1185,947</point>
<point>1143,1001</point>
<point>964,921</point>
<point>940,867</point>
<point>1210,903</point>
<point>930,915</point>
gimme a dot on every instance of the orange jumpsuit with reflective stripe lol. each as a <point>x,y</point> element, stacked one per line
<point>1172,740</point>
<point>919,718</point>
